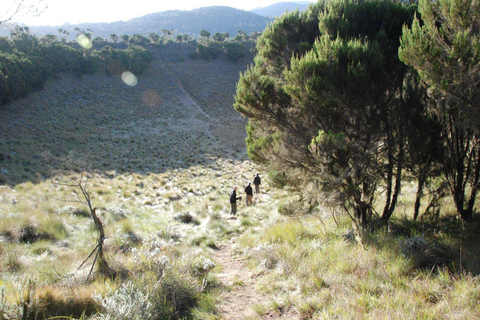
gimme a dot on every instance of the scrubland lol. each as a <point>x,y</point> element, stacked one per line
<point>162,159</point>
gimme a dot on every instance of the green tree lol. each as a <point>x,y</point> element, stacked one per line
<point>326,105</point>
<point>241,36</point>
<point>423,139</point>
<point>48,39</point>
<point>138,39</point>
<point>23,40</point>
<point>27,62</point>
<point>205,34</point>
<point>234,51</point>
<point>218,37</point>
<point>137,59</point>
<point>154,37</point>
<point>125,38</point>
<point>167,32</point>
<point>114,38</point>
<point>444,47</point>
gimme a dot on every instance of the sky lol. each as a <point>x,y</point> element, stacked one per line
<point>59,12</point>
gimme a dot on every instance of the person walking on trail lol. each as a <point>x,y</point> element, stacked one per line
<point>233,201</point>
<point>249,192</point>
<point>256,182</point>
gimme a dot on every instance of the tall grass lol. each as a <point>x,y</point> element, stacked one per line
<point>159,243</point>
<point>325,275</point>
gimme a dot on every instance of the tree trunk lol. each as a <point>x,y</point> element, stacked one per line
<point>462,167</point>
<point>103,267</point>
<point>419,195</point>
<point>391,203</point>
<point>362,214</point>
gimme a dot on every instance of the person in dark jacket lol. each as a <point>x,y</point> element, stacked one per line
<point>233,201</point>
<point>256,182</point>
<point>249,192</point>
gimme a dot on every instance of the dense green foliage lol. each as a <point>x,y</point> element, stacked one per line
<point>27,62</point>
<point>232,51</point>
<point>443,45</point>
<point>334,111</point>
<point>328,102</point>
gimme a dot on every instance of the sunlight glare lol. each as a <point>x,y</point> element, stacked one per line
<point>84,42</point>
<point>129,79</point>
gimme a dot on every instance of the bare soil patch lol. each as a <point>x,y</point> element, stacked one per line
<point>240,297</point>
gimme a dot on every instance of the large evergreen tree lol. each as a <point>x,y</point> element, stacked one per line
<point>326,103</point>
<point>443,45</point>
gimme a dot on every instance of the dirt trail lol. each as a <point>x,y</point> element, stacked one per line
<point>240,297</point>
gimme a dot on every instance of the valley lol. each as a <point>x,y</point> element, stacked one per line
<point>177,114</point>
<point>158,157</point>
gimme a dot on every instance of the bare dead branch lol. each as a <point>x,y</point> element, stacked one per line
<point>21,8</point>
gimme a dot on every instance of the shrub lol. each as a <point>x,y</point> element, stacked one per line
<point>177,295</point>
<point>28,64</point>
<point>73,211</point>
<point>208,53</point>
<point>234,51</point>
<point>419,251</point>
<point>119,213</point>
<point>277,179</point>
<point>54,302</point>
<point>290,208</point>
<point>11,261</point>
<point>126,303</point>
<point>186,217</point>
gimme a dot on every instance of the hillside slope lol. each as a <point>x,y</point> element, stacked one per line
<point>278,9</point>
<point>180,113</point>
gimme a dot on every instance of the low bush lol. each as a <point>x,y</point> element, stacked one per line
<point>186,217</point>
<point>291,208</point>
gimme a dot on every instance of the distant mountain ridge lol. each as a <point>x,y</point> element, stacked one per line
<point>278,9</point>
<point>213,19</point>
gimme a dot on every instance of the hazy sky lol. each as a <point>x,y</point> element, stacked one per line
<point>63,11</point>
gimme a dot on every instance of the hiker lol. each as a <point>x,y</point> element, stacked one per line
<point>233,201</point>
<point>249,192</point>
<point>256,182</point>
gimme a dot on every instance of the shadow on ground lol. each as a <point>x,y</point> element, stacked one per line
<point>178,115</point>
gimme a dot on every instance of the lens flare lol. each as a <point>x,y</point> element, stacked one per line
<point>84,42</point>
<point>129,78</point>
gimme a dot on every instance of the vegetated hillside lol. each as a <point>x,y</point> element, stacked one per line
<point>213,19</point>
<point>277,9</point>
<point>178,114</point>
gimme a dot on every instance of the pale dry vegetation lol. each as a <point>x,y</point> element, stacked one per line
<point>314,267</point>
<point>162,248</point>
<point>159,242</point>
<point>161,173</point>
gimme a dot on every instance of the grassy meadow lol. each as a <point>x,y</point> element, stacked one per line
<point>162,159</point>
<point>161,229</point>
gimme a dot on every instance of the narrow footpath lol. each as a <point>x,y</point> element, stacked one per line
<point>240,297</point>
